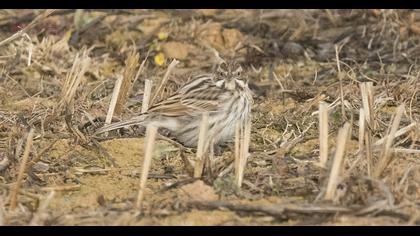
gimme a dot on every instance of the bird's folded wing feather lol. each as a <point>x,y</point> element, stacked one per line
<point>192,103</point>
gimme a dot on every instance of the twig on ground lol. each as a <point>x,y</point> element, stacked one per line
<point>283,211</point>
<point>22,168</point>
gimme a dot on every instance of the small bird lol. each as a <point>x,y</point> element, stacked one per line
<point>224,95</point>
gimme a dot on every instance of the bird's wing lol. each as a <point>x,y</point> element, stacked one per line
<point>205,99</point>
<point>191,101</point>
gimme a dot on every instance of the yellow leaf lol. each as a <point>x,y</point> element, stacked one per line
<point>162,36</point>
<point>68,35</point>
<point>160,59</point>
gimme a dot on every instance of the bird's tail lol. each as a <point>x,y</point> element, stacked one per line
<point>138,120</point>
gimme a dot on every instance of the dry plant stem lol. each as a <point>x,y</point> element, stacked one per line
<point>25,158</point>
<point>323,133</point>
<point>129,75</point>
<point>211,159</point>
<point>237,146</point>
<point>141,68</point>
<point>343,135</point>
<point>370,97</point>
<point>331,17</point>
<point>278,210</point>
<point>2,212</point>
<point>239,154</point>
<point>114,99</point>
<point>38,218</point>
<point>407,151</point>
<point>247,140</point>
<point>369,151</point>
<point>365,136</point>
<point>400,132</point>
<point>148,152</point>
<point>29,26</point>
<point>146,95</point>
<point>30,48</point>
<point>340,77</point>
<point>386,155</point>
<point>244,151</point>
<point>74,77</point>
<point>366,90</point>
<point>62,188</point>
<point>163,81</point>
<point>199,163</point>
<point>361,129</point>
<point>21,191</point>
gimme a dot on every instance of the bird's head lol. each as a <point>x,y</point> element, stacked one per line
<point>229,75</point>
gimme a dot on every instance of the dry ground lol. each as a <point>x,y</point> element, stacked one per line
<point>59,72</point>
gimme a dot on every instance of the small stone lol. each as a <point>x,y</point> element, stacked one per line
<point>41,167</point>
<point>292,49</point>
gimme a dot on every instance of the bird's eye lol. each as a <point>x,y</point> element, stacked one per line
<point>238,73</point>
<point>221,73</point>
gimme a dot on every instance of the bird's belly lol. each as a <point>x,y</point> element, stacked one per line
<point>221,124</point>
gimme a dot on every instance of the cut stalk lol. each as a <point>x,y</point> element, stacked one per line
<point>323,133</point>
<point>114,100</point>
<point>129,75</point>
<point>202,138</point>
<point>244,151</point>
<point>22,168</point>
<point>343,135</point>
<point>387,153</point>
<point>151,132</point>
<point>146,95</point>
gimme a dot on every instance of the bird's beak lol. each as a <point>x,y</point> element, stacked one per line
<point>230,83</point>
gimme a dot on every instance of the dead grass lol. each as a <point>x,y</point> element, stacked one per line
<point>60,73</point>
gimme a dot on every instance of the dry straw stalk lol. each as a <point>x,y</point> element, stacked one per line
<point>114,99</point>
<point>323,133</point>
<point>146,95</point>
<point>202,138</point>
<point>343,135</point>
<point>131,64</point>
<point>387,151</point>
<point>163,81</point>
<point>151,132</point>
<point>244,141</point>
<point>22,168</point>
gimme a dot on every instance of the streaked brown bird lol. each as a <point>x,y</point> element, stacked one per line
<point>224,95</point>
